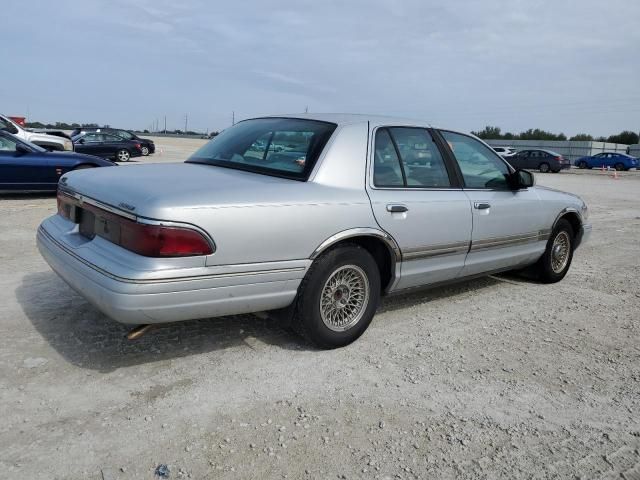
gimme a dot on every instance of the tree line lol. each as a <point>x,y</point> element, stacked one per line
<point>72,126</point>
<point>495,133</point>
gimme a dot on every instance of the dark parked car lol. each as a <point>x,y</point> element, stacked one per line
<point>25,166</point>
<point>147,146</point>
<point>107,145</point>
<point>619,161</point>
<point>537,159</point>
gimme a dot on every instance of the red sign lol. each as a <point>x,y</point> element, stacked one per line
<point>19,120</point>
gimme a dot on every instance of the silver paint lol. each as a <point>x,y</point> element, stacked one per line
<point>267,231</point>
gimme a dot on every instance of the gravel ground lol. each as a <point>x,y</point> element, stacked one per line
<point>495,378</point>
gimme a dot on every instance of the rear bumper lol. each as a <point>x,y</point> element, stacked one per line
<point>161,300</point>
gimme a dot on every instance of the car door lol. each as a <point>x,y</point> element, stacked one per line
<point>519,160</point>
<point>91,144</point>
<point>416,197</point>
<point>508,225</point>
<point>20,170</point>
<point>112,143</point>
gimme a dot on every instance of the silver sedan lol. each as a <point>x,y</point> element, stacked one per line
<point>310,217</point>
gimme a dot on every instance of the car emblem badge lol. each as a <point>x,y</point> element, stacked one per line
<point>126,206</point>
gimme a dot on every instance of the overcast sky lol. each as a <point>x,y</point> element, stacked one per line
<point>570,66</point>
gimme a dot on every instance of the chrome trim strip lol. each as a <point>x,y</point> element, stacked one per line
<point>564,211</point>
<point>84,199</point>
<point>358,232</point>
<point>417,253</point>
<point>508,241</point>
<point>161,280</point>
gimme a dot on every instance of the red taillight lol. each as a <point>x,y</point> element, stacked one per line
<point>161,241</point>
<point>64,206</point>
<point>141,238</point>
<point>559,158</point>
<point>138,146</point>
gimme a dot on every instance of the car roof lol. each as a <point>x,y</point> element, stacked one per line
<point>352,118</point>
<point>540,150</point>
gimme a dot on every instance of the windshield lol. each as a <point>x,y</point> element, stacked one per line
<point>285,147</point>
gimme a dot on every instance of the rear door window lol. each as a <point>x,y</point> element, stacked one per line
<point>408,157</point>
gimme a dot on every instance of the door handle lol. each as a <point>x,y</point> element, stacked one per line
<point>397,208</point>
<point>481,205</point>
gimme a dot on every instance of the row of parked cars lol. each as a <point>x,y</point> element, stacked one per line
<point>550,161</point>
<point>35,161</point>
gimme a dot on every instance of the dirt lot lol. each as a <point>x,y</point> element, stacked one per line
<point>495,378</point>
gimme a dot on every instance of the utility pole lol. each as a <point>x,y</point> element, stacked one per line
<point>233,118</point>
<point>306,109</point>
<point>186,120</point>
<point>165,124</point>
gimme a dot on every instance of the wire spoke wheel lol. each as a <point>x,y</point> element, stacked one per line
<point>560,252</point>
<point>344,298</point>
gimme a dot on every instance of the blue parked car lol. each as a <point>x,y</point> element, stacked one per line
<point>619,161</point>
<point>26,167</point>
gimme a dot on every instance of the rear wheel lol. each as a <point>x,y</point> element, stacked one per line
<point>556,259</point>
<point>544,167</point>
<point>619,167</point>
<point>123,155</point>
<point>338,297</point>
<point>582,164</point>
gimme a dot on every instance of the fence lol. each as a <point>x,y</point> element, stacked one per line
<point>568,149</point>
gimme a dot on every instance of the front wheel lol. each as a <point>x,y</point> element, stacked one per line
<point>123,155</point>
<point>544,167</point>
<point>338,297</point>
<point>556,259</point>
<point>619,167</point>
<point>145,151</point>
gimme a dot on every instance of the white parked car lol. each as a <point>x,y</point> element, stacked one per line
<point>316,216</point>
<point>48,142</point>
<point>505,151</point>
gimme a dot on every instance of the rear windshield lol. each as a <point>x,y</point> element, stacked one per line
<point>284,147</point>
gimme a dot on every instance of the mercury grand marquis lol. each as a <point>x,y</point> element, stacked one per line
<point>310,217</point>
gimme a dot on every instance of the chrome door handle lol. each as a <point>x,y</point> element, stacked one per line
<point>397,208</point>
<point>481,205</point>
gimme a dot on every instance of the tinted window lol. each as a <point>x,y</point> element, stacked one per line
<point>7,145</point>
<point>111,138</point>
<point>481,167</point>
<point>124,134</point>
<point>92,137</point>
<point>386,165</point>
<point>279,146</point>
<point>421,160</point>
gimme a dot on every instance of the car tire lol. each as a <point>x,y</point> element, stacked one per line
<point>556,259</point>
<point>544,167</point>
<point>338,297</point>
<point>145,151</point>
<point>123,155</point>
<point>582,165</point>
<point>619,167</point>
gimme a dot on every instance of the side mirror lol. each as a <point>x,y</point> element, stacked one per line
<point>522,179</point>
<point>80,141</point>
<point>22,149</point>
